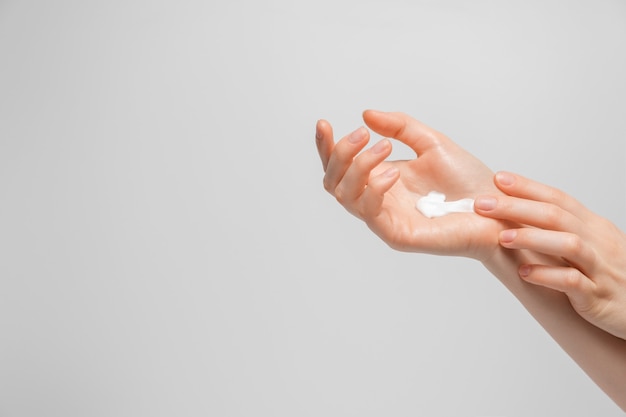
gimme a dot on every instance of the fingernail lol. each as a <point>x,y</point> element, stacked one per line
<point>357,136</point>
<point>391,172</point>
<point>485,203</point>
<point>507,236</point>
<point>505,178</point>
<point>318,133</point>
<point>381,146</point>
<point>524,270</point>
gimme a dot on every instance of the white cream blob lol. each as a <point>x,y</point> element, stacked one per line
<point>435,205</point>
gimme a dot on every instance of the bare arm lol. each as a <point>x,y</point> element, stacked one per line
<point>601,355</point>
<point>572,270</point>
<point>383,194</point>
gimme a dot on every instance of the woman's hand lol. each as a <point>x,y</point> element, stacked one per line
<point>592,249</point>
<point>384,194</point>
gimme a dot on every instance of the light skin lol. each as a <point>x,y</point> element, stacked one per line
<point>565,255</point>
<point>383,194</point>
<point>594,249</point>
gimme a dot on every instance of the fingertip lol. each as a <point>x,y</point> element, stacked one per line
<point>371,116</point>
<point>485,203</point>
<point>359,135</point>
<point>371,112</point>
<point>321,128</point>
<point>391,173</point>
<point>385,120</point>
<point>319,134</point>
<point>505,179</point>
<point>324,141</point>
<point>524,271</point>
<point>382,147</point>
<point>374,193</point>
<point>507,236</point>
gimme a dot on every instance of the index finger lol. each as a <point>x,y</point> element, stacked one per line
<point>528,212</point>
<point>519,186</point>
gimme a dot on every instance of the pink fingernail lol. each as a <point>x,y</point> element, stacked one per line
<point>391,172</point>
<point>524,270</point>
<point>381,146</point>
<point>507,236</point>
<point>357,136</point>
<point>505,178</point>
<point>485,203</point>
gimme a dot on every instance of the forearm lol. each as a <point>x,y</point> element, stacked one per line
<point>601,355</point>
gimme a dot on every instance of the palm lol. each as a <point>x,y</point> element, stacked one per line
<point>458,174</point>
<point>386,199</point>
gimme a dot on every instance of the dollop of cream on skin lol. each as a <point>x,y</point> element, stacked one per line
<point>435,205</point>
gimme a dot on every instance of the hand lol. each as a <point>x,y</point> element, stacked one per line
<point>384,193</point>
<point>591,249</point>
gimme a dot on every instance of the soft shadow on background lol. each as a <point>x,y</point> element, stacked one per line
<point>166,247</point>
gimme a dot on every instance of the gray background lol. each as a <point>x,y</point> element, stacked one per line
<point>166,247</point>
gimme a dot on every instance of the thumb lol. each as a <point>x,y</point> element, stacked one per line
<point>404,128</point>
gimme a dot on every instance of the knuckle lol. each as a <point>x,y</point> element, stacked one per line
<point>602,223</point>
<point>360,163</point>
<point>553,214</point>
<point>340,195</point>
<point>505,204</point>
<point>554,196</point>
<point>399,131</point>
<point>343,152</point>
<point>574,245</point>
<point>572,280</point>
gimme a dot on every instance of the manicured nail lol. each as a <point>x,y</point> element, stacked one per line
<point>505,178</point>
<point>358,135</point>
<point>381,146</point>
<point>507,236</point>
<point>524,270</point>
<point>485,203</point>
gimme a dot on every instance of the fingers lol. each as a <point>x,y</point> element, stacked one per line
<point>348,174</point>
<point>416,135</point>
<point>579,289</point>
<point>528,212</point>
<point>357,175</point>
<point>518,186</point>
<point>324,141</point>
<point>565,245</point>
<point>342,156</point>
<point>374,195</point>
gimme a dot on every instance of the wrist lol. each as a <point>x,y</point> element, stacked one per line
<point>504,264</point>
